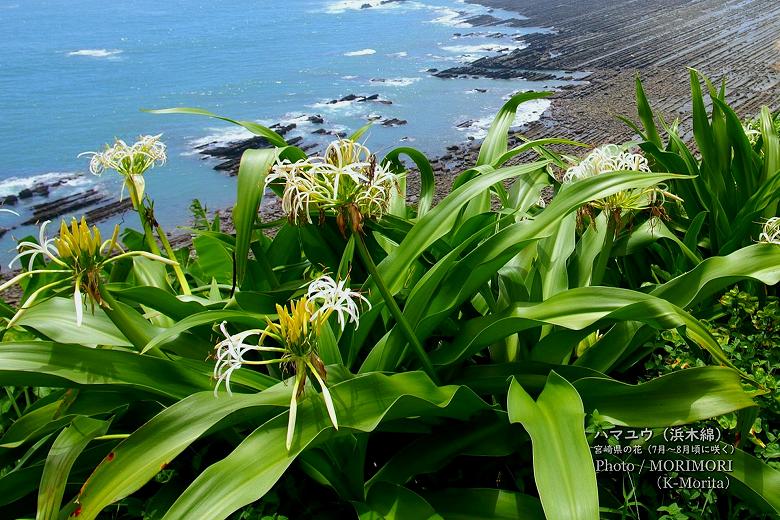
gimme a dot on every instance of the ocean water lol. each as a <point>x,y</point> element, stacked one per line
<point>74,75</point>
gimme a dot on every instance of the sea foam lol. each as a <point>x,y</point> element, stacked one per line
<point>527,113</point>
<point>13,185</point>
<point>95,53</point>
<point>361,52</point>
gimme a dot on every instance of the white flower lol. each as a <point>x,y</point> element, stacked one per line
<point>332,296</point>
<point>606,159</point>
<point>45,246</point>
<point>231,351</point>
<point>79,254</point>
<point>613,158</point>
<point>347,174</point>
<point>770,234</point>
<point>131,161</point>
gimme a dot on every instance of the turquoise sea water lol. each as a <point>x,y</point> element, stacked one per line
<point>74,75</point>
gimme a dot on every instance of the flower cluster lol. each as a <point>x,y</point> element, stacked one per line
<point>347,179</point>
<point>296,331</point>
<point>130,161</point>
<point>612,158</point>
<point>79,254</point>
<point>770,234</point>
<point>753,128</point>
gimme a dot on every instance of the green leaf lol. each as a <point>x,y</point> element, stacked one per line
<point>485,504</point>
<point>203,318</point>
<point>495,143</point>
<point>141,456</point>
<point>391,502</point>
<point>438,222</point>
<point>55,318</point>
<point>576,309</point>
<point>252,171</point>
<point>427,181</point>
<point>362,403</point>
<point>272,137</point>
<point>681,397</point>
<point>646,115</point>
<point>41,363</point>
<point>563,466</point>
<point>66,448</point>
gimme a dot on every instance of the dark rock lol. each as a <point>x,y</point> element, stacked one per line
<point>107,211</point>
<point>446,157</point>
<point>282,129</point>
<point>465,124</point>
<point>61,206</point>
<point>393,122</point>
<point>372,97</point>
<point>349,97</point>
<point>10,199</point>
<point>432,70</point>
<point>25,194</point>
<point>317,120</point>
<point>365,6</point>
<point>453,148</point>
<point>320,131</point>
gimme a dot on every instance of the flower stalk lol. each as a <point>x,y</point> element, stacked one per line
<point>392,305</point>
<point>132,162</point>
<point>79,256</point>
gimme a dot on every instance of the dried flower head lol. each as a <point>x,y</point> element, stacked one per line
<point>347,179</point>
<point>130,161</point>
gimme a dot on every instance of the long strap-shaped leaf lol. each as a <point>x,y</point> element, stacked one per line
<point>453,280</point>
<point>563,467</point>
<point>141,456</point>
<point>485,504</point>
<point>252,171</point>
<point>42,363</point>
<point>576,309</point>
<point>495,143</point>
<point>66,448</point>
<point>759,262</point>
<point>427,182</point>
<point>361,404</point>
<point>678,398</point>
<point>438,222</point>
<point>387,501</point>
<point>272,137</point>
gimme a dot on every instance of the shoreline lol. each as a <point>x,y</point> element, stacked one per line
<point>604,45</point>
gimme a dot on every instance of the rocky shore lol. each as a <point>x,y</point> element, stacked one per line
<point>605,45</point>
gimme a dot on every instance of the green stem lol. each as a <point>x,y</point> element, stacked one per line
<point>392,305</point>
<point>148,233</point>
<point>143,215</point>
<point>125,324</point>
<point>112,436</point>
<point>606,250</point>
<point>185,287</point>
<point>13,401</point>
